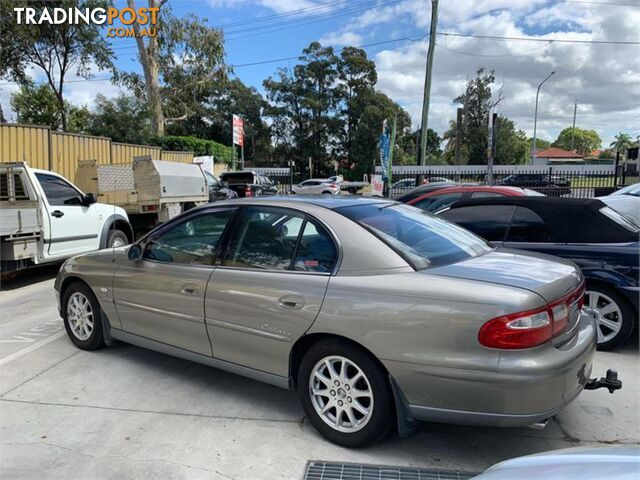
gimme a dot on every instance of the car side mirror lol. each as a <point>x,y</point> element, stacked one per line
<point>88,199</point>
<point>135,252</point>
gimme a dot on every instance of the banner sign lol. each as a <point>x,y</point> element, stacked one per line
<point>385,147</point>
<point>238,130</point>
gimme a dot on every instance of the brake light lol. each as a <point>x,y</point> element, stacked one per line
<point>532,327</point>
<point>247,192</point>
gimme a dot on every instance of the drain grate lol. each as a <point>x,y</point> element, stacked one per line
<point>317,470</point>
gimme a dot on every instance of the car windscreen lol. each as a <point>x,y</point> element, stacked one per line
<point>421,239</point>
<point>237,178</point>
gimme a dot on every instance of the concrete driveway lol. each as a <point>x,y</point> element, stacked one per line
<point>125,412</point>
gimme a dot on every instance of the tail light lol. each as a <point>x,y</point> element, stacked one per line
<point>247,192</point>
<point>532,327</point>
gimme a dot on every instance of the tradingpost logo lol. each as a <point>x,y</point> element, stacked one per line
<point>146,18</point>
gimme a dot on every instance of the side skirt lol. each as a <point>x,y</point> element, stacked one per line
<point>270,378</point>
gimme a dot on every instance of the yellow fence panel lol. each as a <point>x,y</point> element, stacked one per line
<point>68,148</point>
<point>124,152</point>
<point>25,143</point>
<point>180,157</point>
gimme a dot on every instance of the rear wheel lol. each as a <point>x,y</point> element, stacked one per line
<point>81,315</point>
<point>613,315</point>
<point>345,393</point>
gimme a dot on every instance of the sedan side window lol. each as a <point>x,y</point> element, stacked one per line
<point>316,251</point>
<point>527,226</point>
<point>436,202</point>
<point>57,191</point>
<point>193,241</point>
<point>488,221</point>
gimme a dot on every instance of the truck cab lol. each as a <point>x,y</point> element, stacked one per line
<point>46,218</point>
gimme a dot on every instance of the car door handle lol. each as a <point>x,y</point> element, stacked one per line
<point>291,302</point>
<point>188,290</point>
<point>57,214</point>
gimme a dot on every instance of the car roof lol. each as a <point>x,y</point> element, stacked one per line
<point>477,188</point>
<point>326,201</point>
<point>572,220</point>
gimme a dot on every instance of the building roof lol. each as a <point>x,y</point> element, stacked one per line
<point>557,153</point>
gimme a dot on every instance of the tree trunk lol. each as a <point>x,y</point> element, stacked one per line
<point>149,61</point>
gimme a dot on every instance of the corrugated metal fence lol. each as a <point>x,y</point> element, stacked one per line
<point>60,152</point>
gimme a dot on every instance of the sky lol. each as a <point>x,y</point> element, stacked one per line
<point>604,79</point>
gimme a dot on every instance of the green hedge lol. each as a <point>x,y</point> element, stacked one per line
<point>199,146</point>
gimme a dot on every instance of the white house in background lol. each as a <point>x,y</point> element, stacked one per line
<point>557,156</point>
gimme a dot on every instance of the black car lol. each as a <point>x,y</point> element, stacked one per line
<point>551,185</point>
<point>248,183</point>
<point>603,243</point>
<point>216,190</point>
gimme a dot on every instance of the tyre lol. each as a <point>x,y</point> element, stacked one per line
<point>345,393</point>
<point>327,192</point>
<point>612,313</point>
<point>81,316</point>
<point>117,238</point>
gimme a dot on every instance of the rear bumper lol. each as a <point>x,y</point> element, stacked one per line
<point>529,386</point>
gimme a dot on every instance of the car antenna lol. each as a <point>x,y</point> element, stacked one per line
<point>113,247</point>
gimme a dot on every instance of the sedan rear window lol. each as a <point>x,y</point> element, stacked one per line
<point>421,239</point>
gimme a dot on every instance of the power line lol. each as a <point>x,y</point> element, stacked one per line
<point>537,39</point>
<point>514,54</point>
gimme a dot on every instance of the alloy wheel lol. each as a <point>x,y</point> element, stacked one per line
<point>606,312</point>
<point>341,394</point>
<point>80,316</point>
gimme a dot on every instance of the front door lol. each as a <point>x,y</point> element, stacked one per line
<point>73,227</point>
<point>269,288</point>
<point>162,296</point>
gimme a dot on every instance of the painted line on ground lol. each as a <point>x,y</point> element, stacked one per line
<point>31,348</point>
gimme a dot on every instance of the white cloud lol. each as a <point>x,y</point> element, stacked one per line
<point>344,38</point>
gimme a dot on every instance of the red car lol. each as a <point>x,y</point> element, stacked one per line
<point>447,195</point>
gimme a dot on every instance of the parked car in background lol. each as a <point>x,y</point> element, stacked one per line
<point>584,463</point>
<point>603,243</point>
<point>422,189</point>
<point>627,205</point>
<point>551,185</point>
<point>633,189</point>
<point>441,198</point>
<point>368,308</point>
<point>402,186</point>
<point>248,183</point>
<point>216,190</point>
<point>45,218</point>
<point>316,186</point>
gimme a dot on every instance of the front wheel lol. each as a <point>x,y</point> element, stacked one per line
<point>81,315</point>
<point>612,313</point>
<point>345,393</point>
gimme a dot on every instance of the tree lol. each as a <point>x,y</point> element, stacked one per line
<point>123,119</point>
<point>512,146</point>
<point>621,144</point>
<point>178,64</point>
<point>584,141</point>
<point>38,105</point>
<point>477,102</point>
<point>541,144</point>
<point>57,50</point>
<point>410,143</point>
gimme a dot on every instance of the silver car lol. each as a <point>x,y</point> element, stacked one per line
<point>374,312</point>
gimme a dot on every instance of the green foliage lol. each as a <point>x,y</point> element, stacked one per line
<point>541,144</point>
<point>584,141</point>
<point>123,119</point>
<point>200,147</point>
<point>38,105</point>
<point>512,146</point>
<point>622,143</point>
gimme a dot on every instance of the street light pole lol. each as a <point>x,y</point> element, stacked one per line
<point>535,119</point>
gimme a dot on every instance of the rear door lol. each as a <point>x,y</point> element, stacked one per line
<point>269,287</point>
<point>73,227</point>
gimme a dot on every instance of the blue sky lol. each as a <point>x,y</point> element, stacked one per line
<point>604,79</point>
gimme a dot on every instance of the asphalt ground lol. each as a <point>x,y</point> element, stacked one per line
<point>125,412</point>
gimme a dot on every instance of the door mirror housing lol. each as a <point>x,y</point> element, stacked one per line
<point>135,252</point>
<point>88,199</point>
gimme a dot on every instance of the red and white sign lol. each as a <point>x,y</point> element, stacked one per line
<point>238,130</point>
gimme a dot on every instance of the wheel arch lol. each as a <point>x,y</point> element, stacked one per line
<point>117,222</point>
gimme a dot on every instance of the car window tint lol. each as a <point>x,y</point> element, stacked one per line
<point>264,239</point>
<point>193,241</point>
<point>436,202</point>
<point>486,194</point>
<point>316,251</point>
<point>527,226</point>
<point>58,191</point>
<point>488,221</point>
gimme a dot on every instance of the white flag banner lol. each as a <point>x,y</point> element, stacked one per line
<point>238,130</point>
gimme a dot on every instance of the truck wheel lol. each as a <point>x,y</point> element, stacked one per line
<point>117,238</point>
<point>82,318</point>
<point>345,393</point>
<point>612,313</point>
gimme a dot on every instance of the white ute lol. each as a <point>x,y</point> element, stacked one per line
<point>45,218</point>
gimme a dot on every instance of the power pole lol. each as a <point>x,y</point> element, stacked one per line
<point>459,137</point>
<point>427,83</point>
<point>491,145</point>
<point>573,129</point>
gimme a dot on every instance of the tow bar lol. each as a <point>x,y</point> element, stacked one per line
<point>610,382</point>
